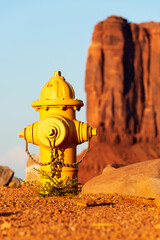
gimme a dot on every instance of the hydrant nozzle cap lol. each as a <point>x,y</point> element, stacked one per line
<point>94,131</point>
<point>21,134</point>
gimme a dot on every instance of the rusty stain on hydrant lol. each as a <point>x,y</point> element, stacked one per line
<point>57,133</point>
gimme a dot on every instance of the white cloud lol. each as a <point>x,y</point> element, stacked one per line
<point>15,159</point>
<point>15,156</point>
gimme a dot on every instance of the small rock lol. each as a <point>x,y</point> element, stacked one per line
<point>82,203</point>
<point>6,175</point>
<point>22,233</point>
<point>86,203</point>
<point>72,228</point>
<point>157,199</point>
<point>105,224</point>
<point>30,162</point>
<point>5,225</point>
<point>157,226</point>
<point>15,183</point>
<point>31,174</point>
<point>4,232</point>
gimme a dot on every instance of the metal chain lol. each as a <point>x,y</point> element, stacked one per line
<point>34,160</point>
<point>56,166</point>
<point>57,162</point>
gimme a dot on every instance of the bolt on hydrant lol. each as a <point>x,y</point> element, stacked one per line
<point>57,132</point>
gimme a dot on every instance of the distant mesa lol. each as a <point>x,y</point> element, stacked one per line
<point>123,81</point>
<point>122,84</point>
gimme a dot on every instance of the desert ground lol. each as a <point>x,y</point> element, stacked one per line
<point>25,215</point>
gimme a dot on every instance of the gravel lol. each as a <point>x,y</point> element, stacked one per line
<point>25,215</point>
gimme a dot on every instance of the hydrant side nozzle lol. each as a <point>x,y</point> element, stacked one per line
<point>84,131</point>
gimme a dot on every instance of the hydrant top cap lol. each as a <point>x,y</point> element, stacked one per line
<point>57,92</point>
<point>57,73</point>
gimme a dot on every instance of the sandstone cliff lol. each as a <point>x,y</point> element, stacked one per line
<point>122,83</point>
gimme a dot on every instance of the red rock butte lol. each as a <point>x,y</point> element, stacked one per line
<point>122,84</point>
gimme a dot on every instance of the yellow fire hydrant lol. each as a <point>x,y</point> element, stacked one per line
<point>57,132</point>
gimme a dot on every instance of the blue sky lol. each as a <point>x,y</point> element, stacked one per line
<point>38,38</point>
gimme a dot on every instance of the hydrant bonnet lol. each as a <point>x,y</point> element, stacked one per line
<point>57,92</point>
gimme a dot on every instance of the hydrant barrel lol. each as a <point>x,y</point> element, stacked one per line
<point>58,133</point>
